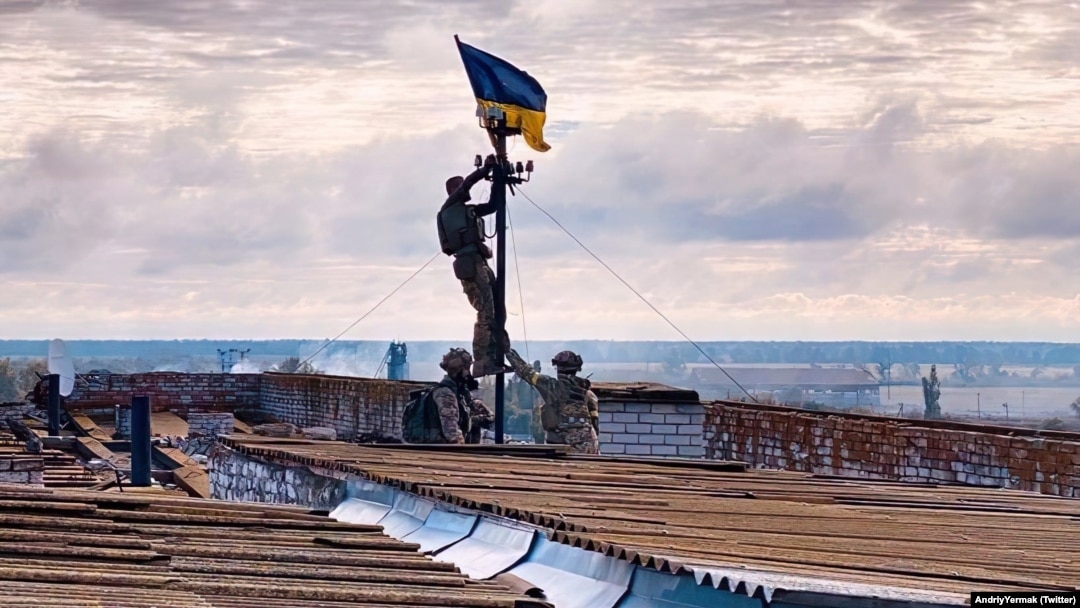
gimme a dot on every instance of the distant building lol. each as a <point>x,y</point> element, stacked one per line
<point>833,387</point>
<point>398,361</point>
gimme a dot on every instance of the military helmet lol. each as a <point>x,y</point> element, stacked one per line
<point>457,359</point>
<point>567,361</point>
<point>454,183</point>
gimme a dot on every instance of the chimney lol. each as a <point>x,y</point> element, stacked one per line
<point>140,441</point>
<point>54,405</point>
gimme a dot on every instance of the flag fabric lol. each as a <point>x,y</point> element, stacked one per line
<point>497,83</point>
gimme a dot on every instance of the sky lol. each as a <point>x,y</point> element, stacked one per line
<point>759,170</point>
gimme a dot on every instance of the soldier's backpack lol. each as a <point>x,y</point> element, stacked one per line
<point>420,417</point>
<point>458,227</point>
<point>420,423</point>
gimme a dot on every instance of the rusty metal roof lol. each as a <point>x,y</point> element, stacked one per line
<point>694,516</point>
<point>643,391</point>
<point>943,424</point>
<point>79,548</point>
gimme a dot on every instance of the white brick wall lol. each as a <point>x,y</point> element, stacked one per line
<point>122,421</point>
<point>210,424</point>
<point>237,477</point>
<point>22,469</point>
<point>652,429</point>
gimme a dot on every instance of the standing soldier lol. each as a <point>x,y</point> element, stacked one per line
<point>482,418</point>
<point>454,401</point>
<point>569,411</point>
<point>461,234</point>
<point>593,405</point>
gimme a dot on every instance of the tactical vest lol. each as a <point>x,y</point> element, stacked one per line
<point>459,227</point>
<point>421,422</point>
<point>579,386</point>
<point>573,411</point>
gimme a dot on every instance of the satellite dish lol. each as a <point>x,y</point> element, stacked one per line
<point>62,365</point>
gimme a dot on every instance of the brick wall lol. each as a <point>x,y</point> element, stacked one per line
<point>639,428</point>
<point>14,411</point>
<point>22,469</point>
<point>122,420</point>
<point>208,424</point>
<point>887,448</point>
<point>237,477</point>
<point>168,391</point>
<point>350,406</point>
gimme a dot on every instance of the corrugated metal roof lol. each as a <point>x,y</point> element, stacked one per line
<point>970,427</point>
<point>773,527</point>
<point>643,391</point>
<point>136,550</point>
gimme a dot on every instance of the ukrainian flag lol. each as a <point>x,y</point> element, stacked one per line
<point>497,83</point>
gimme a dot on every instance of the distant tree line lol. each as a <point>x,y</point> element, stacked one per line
<point>661,353</point>
<point>19,378</point>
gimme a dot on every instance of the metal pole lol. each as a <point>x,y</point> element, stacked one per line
<point>978,405</point>
<point>54,405</point>
<point>140,441</point>
<point>498,196</point>
<point>888,383</point>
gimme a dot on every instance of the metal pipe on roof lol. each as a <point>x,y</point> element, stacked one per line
<point>140,441</point>
<point>54,405</point>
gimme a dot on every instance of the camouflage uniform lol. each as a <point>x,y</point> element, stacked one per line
<point>480,418</point>
<point>573,423</point>
<point>453,414</point>
<point>593,405</point>
<point>454,402</point>
<point>479,292</point>
<point>471,263</point>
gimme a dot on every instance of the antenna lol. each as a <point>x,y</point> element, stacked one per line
<point>62,365</point>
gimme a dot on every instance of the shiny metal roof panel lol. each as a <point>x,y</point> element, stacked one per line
<point>492,548</point>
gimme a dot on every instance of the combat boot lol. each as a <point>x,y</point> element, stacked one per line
<point>487,367</point>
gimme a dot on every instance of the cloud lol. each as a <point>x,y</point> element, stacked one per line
<point>256,169</point>
<point>673,178</point>
<point>723,219</point>
<point>288,69</point>
<point>999,191</point>
<point>56,204</point>
<point>19,6</point>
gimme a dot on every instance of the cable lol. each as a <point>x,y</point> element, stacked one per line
<point>382,363</point>
<point>517,274</point>
<point>628,286</point>
<point>373,308</point>
<point>483,195</point>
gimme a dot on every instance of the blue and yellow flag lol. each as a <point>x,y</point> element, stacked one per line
<point>497,83</point>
